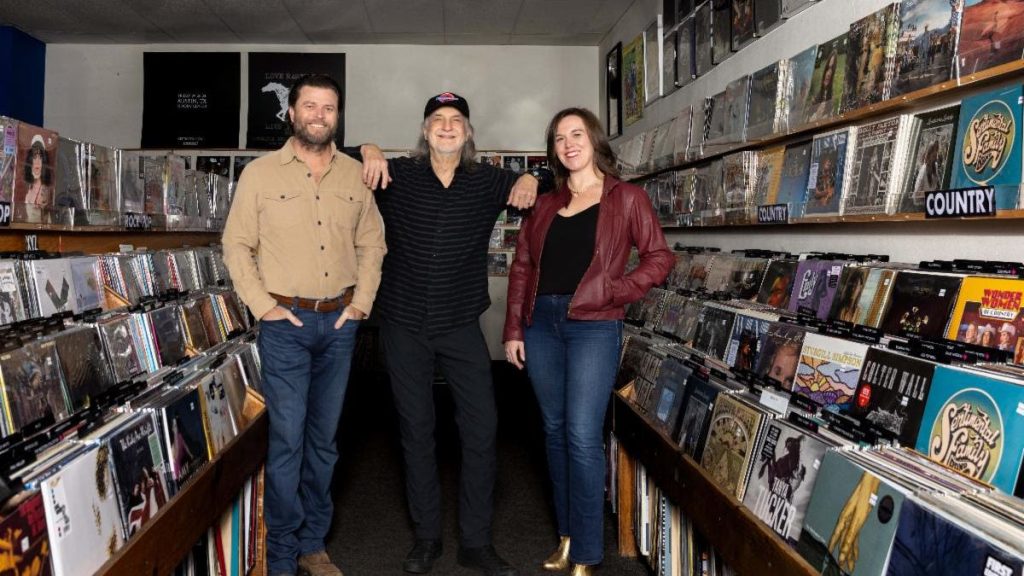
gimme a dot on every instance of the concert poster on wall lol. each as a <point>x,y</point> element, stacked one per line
<point>271,75</point>
<point>191,99</point>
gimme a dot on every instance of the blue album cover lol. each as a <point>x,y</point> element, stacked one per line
<point>796,165</point>
<point>741,352</point>
<point>988,145</point>
<point>851,521</point>
<point>826,177</point>
<point>930,544</point>
<point>974,423</point>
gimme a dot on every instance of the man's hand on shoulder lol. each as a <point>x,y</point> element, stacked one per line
<point>375,167</point>
<point>524,192</point>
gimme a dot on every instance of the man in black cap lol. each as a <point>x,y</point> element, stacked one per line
<point>439,210</point>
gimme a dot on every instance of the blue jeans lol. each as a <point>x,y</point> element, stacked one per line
<point>305,374</point>
<point>572,365</point>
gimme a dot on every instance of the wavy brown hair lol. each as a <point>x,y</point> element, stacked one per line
<point>604,157</point>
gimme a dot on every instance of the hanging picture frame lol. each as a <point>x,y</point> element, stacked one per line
<point>633,81</point>
<point>613,91</point>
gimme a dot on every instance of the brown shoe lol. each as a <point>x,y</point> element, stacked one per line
<point>318,564</point>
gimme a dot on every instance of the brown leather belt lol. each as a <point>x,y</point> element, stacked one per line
<point>324,305</point>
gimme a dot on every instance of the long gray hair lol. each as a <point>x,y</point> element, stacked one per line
<point>468,157</point>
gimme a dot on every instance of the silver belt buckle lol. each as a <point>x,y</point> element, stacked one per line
<point>316,306</point>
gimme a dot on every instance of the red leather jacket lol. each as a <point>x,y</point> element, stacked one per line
<point>624,220</point>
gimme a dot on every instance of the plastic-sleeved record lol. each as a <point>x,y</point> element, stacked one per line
<point>120,347</point>
<point>169,334</point>
<point>32,384</point>
<point>85,368</point>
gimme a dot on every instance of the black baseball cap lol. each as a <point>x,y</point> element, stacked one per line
<point>446,99</point>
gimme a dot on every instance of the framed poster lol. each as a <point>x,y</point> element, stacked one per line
<point>271,75</point>
<point>191,99</point>
<point>633,80</point>
<point>613,91</point>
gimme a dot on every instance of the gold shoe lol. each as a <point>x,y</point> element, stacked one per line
<point>581,570</point>
<point>559,560</point>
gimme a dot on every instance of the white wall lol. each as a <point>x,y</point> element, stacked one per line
<point>94,92</point>
<point>906,242</point>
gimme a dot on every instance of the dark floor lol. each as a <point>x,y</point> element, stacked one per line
<point>372,533</point>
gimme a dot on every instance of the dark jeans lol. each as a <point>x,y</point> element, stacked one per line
<point>466,365</point>
<point>572,365</point>
<point>305,374</point>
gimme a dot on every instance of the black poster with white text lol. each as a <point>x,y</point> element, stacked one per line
<point>191,99</point>
<point>271,75</point>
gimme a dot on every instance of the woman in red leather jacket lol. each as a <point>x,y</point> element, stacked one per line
<point>567,290</point>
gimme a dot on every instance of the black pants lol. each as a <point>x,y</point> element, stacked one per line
<point>465,363</point>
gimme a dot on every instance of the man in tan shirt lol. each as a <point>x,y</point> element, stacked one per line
<point>304,244</point>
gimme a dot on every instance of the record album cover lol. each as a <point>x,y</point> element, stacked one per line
<point>764,116</point>
<point>633,80</point>
<point>992,33</point>
<point>972,423</point>
<point>732,438</point>
<point>779,353</point>
<point>139,472</point>
<point>930,162</point>
<point>53,285</point>
<point>796,167</point>
<point>220,428</point>
<point>170,337</point>
<point>721,30</point>
<point>877,170</point>
<point>988,143</point>
<point>743,23</point>
<point>87,285</point>
<point>870,58</point>
<point>83,364</point>
<point>702,39</point>
<point>815,286</point>
<point>23,537</point>
<point>11,306</point>
<point>891,393</point>
<point>32,384</point>
<point>926,44</point>
<point>184,437</point>
<point>851,520</point>
<point>747,331</point>
<point>825,96</point>
<point>81,514</point>
<point>777,286</point>
<point>786,466</point>
<point>932,543</point>
<point>766,15</point>
<point>700,400</point>
<point>714,330</point>
<point>920,304</point>
<point>799,80</point>
<point>829,370</point>
<point>35,172</point>
<point>988,313</point>
<point>828,175</point>
<point>120,347</point>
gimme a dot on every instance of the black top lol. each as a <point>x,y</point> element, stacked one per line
<point>568,250</point>
<point>434,276</point>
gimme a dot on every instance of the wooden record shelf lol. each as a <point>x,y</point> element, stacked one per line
<point>167,538</point>
<point>97,239</point>
<point>918,98</point>
<point>746,544</point>
<point>857,219</point>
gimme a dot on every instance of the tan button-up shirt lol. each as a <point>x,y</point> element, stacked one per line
<point>288,235</point>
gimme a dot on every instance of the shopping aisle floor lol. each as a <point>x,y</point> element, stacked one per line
<point>372,533</point>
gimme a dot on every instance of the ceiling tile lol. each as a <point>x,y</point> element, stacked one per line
<point>406,16</point>
<point>258,20</point>
<point>476,39</point>
<point>555,39</point>
<point>480,16</point>
<point>184,20</point>
<point>323,20</point>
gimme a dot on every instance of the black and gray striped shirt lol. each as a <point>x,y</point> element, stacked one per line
<point>434,276</point>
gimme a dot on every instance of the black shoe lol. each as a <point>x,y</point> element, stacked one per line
<point>486,560</point>
<point>421,558</point>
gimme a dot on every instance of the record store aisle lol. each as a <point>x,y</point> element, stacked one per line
<point>371,532</point>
